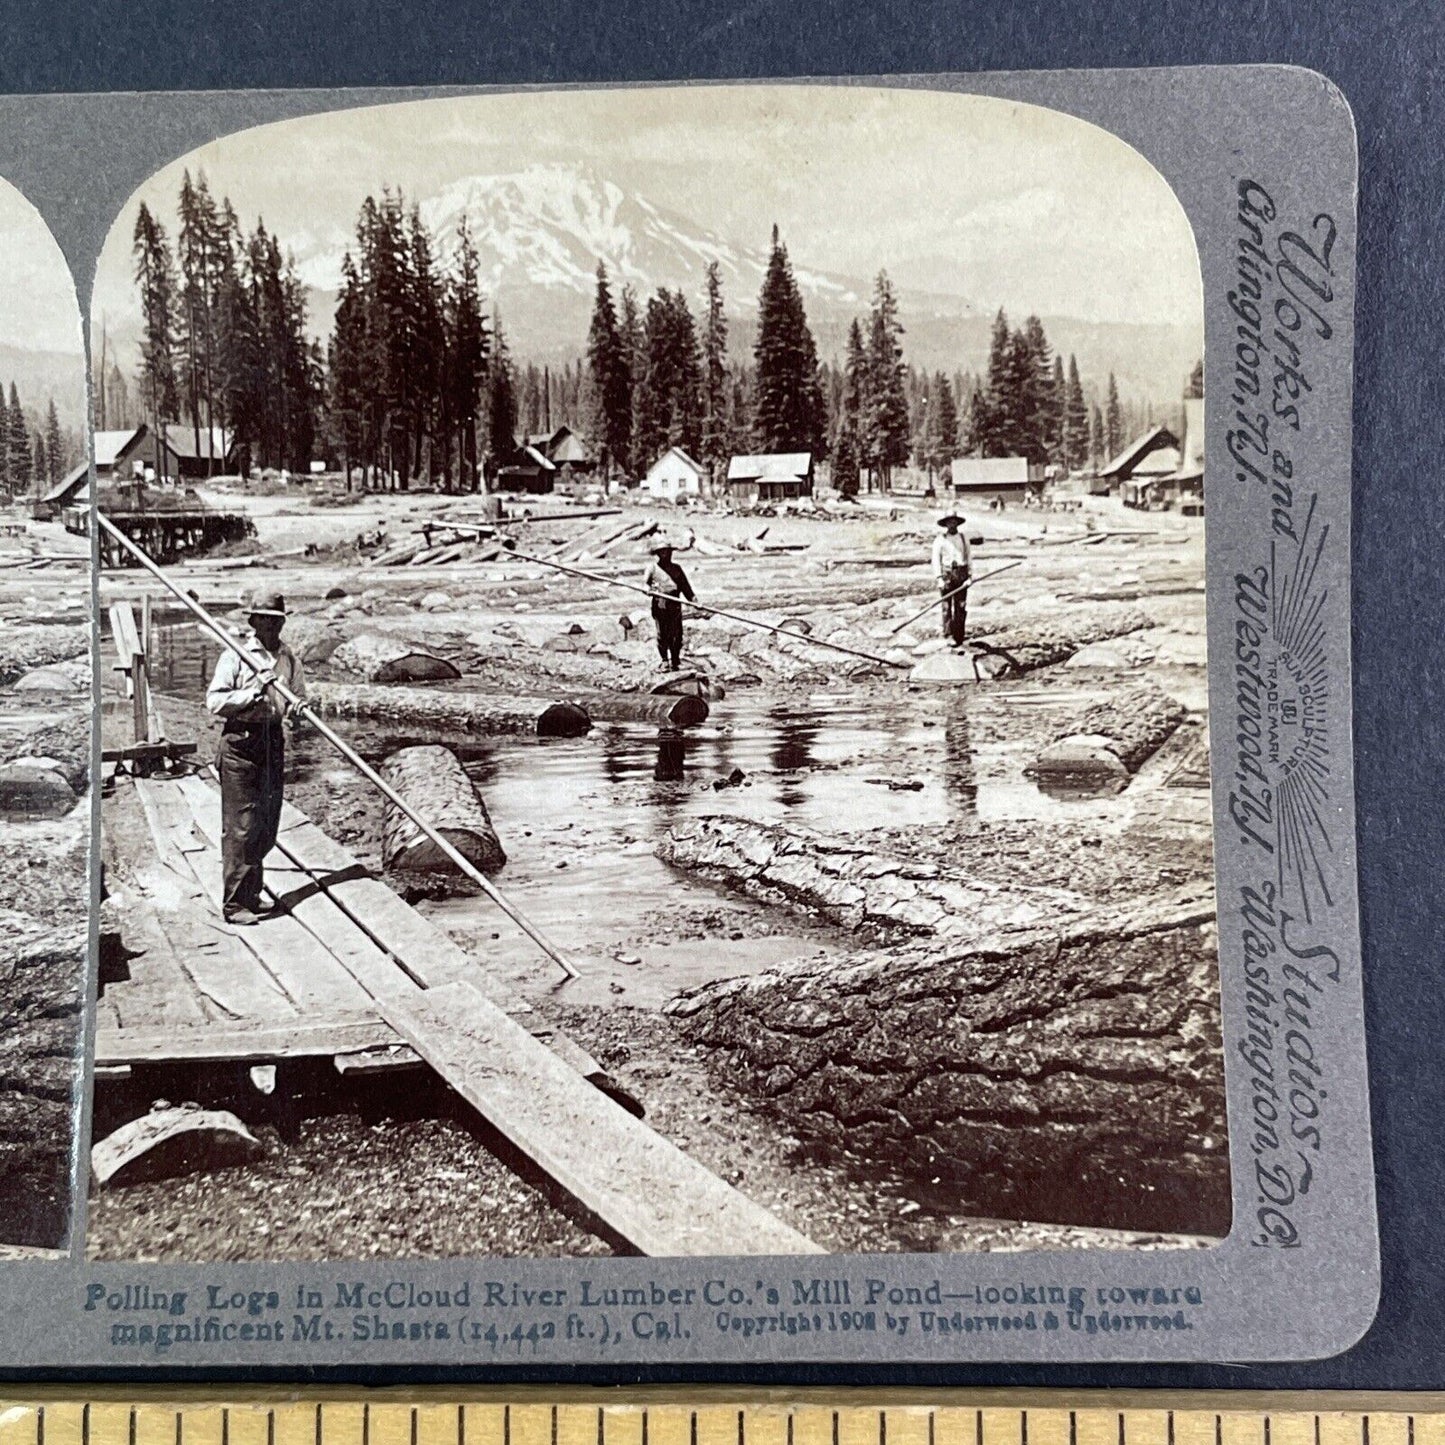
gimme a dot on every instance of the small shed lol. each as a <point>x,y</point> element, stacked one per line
<point>119,452</point>
<point>1181,488</point>
<point>526,471</point>
<point>770,477</point>
<point>1002,479</point>
<point>198,452</point>
<point>673,475</point>
<point>72,490</point>
<point>1135,461</point>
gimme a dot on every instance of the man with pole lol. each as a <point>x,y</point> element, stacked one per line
<point>668,583</point>
<point>952,566</point>
<point>251,757</point>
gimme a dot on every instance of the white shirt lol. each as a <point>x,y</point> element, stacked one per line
<point>233,692</point>
<point>950,554</point>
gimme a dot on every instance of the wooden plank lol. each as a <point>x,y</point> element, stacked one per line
<point>348,949</point>
<point>261,1040</point>
<point>124,635</point>
<point>640,1185</point>
<point>223,970</point>
<point>158,988</point>
<point>308,973</point>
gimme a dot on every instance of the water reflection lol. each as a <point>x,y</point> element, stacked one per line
<point>671,763</point>
<point>959,777</point>
<point>794,737</point>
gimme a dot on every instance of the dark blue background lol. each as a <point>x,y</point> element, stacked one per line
<point>1387,59</point>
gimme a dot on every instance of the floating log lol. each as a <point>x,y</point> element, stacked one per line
<point>432,779</point>
<point>1070,1073</point>
<point>1046,638</point>
<point>380,657</point>
<point>1113,737</point>
<point>442,710</point>
<point>855,886</point>
<point>665,710</point>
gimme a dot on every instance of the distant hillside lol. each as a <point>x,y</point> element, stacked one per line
<point>41,375</point>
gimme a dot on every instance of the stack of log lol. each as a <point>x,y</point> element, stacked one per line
<point>1070,1073</point>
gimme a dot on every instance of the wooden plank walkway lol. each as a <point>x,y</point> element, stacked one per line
<point>350,968</point>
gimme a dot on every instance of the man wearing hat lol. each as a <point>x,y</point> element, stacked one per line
<point>665,577</point>
<point>951,566</point>
<point>251,758</point>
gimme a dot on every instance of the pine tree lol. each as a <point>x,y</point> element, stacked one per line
<point>1113,422</point>
<point>993,420</point>
<point>716,443</point>
<point>888,420</point>
<point>1039,402</point>
<point>54,445</point>
<point>787,395</point>
<point>633,361</point>
<point>1076,420</point>
<point>501,402</point>
<point>610,370</point>
<point>941,445</point>
<point>845,464</point>
<point>156,279</point>
<point>469,346</point>
<point>5,488</point>
<point>1058,441</point>
<point>42,465</point>
<point>667,408</point>
<point>20,463</point>
<point>858,404</point>
<point>1096,439</point>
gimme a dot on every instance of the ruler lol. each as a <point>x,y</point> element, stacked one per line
<point>683,1416</point>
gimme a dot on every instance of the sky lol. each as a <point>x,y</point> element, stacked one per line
<point>1003,203</point>
<point>38,309</point>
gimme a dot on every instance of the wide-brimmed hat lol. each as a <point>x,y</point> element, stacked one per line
<point>267,604</point>
<point>948,517</point>
<point>662,544</point>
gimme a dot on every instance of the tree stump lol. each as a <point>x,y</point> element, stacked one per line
<point>433,781</point>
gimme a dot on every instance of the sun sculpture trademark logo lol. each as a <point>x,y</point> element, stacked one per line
<point>1280,800</point>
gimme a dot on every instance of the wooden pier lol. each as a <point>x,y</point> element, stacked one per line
<point>351,972</point>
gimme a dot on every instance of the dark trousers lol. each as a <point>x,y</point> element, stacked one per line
<point>955,608</point>
<point>668,617</point>
<point>252,762</point>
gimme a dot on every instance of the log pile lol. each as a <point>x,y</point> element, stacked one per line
<point>855,887</point>
<point>432,779</point>
<point>1071,1073</point>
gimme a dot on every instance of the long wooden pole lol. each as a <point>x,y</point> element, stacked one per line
<point>953,592</point>
<point>703,607</point>
<point>346,750</point>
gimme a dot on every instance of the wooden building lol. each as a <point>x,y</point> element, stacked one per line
<point>1182,489</point>
<point>1000,479</point>
<point>1155,454</point>
<point>674,475</point>
<point>770,477</point>
<point>527,470</point>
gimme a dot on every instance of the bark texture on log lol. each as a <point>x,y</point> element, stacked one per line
<point>444,711</point>
<point>66,739</point>
<point>1071,1074</point>
<point>42,980</point>
<point>853,886</point>
<point>661,710</point>
<point>1055,636</point>
<point>382,657</point>
<point>23,648</point>
<point>1132,724</point>
<point>432,779</point>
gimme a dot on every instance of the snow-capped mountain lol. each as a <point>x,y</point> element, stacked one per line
<point>547,227</point>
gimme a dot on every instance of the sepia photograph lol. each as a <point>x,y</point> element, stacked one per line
<point>654,685</point>
<point>45,733</point>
